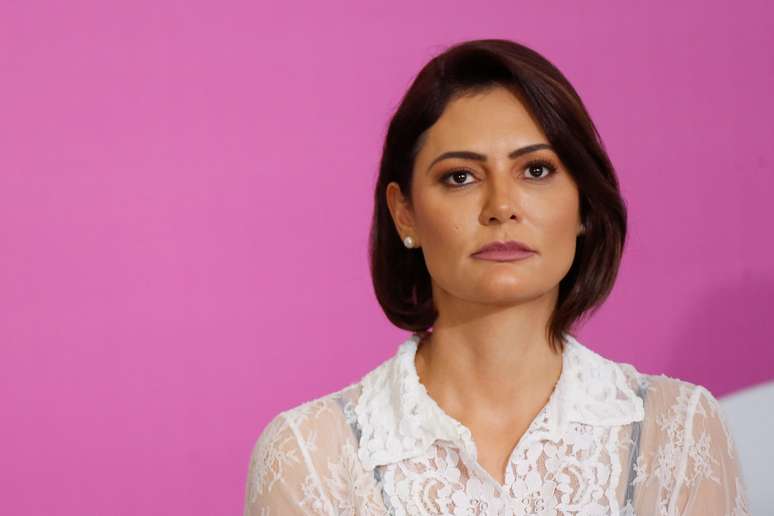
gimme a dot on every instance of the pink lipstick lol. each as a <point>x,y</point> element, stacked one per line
<point>504,251</point>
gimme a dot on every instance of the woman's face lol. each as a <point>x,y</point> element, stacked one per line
<point>461,204</point>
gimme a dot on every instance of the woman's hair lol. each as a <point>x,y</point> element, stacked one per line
<point>400,277</point>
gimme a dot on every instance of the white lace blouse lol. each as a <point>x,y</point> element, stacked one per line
<point>610,440</point>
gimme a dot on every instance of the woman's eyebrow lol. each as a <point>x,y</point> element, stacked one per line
<point>481,157</point>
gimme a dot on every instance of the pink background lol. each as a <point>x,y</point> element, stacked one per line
<point>186,188</point>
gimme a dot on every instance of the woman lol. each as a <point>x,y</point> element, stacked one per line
<point>499,223</point>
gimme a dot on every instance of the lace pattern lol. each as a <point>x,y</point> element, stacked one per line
<point>610,440</point>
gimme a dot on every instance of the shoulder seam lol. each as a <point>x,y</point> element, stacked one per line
<point>309,465</point>
<point>322,398</point>
<point>687,441</point>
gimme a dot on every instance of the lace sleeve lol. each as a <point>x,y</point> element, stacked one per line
<point>709,477</point>
<point>280,478</point>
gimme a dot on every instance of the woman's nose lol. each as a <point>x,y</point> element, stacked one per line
<point>500,203</point>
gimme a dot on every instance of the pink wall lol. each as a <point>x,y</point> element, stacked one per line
<point>185,192</point>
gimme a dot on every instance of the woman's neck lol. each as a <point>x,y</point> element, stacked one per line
<point>468,375</point>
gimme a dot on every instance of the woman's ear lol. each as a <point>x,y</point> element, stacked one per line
<point>401,212</point>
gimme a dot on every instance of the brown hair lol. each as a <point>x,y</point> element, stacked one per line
<point>400,277</point>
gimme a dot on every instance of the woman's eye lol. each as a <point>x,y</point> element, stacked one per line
<point>456,176</point>
<point>534,169</point>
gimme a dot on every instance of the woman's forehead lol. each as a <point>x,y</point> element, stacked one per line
<point>490,120</point>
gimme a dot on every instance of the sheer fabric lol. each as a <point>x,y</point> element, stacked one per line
<point>610,440</point>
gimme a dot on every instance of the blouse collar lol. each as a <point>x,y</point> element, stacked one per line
<point>398,419</point>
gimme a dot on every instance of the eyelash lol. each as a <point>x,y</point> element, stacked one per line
<point>537,162</point>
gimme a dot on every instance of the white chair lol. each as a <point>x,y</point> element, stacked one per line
<point>750,416</point>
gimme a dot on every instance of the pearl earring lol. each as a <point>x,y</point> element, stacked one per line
<point>408,242</point>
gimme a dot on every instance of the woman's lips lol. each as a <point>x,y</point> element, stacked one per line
<point>508,251</point>
<point>503,255</point>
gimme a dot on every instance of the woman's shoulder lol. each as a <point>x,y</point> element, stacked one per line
<point>298,441</point>
<point>686,454</point>
<point>326,412</point>
<point>678,410</point>
<point>658,393</point>
<point>661,390</point>
<point>331,415</point>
